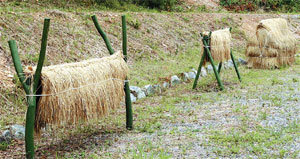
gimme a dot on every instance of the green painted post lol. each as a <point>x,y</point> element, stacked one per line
<point>42,55</point>
<point>213,65</point>
<point>31,91</point>
<point>103,35</point>
<point>235,66</point>
<point>18,65</point>
<point>129,116</point>
<point>199,69</point>
<point>220,67</point>
<point>31,100</point>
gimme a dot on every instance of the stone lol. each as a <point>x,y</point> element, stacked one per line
<point>166,85</point>
<point>157,88</point>
<point>2,139</point>
<point>185,76</point>
<point>133,98</point>
<point>210,69</point>
<point>137,92</point>
<point>203,72</point>
<point>225,65</point>
<point>194,70</point>
<point>175,80</point>
<point>230,64</point>
<point>242,61</point>
<point>149,90</point>
<point>6,136</point>
<point>18,131</point>
<point>191,75</point>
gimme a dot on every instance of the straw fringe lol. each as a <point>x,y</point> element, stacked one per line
<point>273,46</point>
<point>85,103</point>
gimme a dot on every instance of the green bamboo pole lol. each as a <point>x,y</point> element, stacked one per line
<point>31,91</point>
<point>30,116</point>
<point>31,100</point>
<point>18,65</point>
<point>29,127</point>
<point>129,116</point>
<point>213,65</point>
<point>220,67</point>
<point>199,69</point>
<point>42,55</point>
<point>235,66</point>
<point>103,35</point>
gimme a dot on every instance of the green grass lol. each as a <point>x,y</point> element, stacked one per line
<point>3,146</point>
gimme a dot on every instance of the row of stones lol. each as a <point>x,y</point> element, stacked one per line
<point>148,90</point>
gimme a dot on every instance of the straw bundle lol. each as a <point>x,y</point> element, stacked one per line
<point>80,91</point>
<point>273,46</point>
<point>220,45</point>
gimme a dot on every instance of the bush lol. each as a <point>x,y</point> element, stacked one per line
<point>268,5</point>
<point>160,4</point>
<point>153,4</point>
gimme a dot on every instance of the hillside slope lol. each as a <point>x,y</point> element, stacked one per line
<point>153,36</point>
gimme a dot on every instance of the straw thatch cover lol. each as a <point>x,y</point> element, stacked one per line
<point>273,45</point>
<point>220,45</point>
<point>80,91</point>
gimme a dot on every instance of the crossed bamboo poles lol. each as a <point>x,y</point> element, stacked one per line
<point>206,53</point>
<point>31,86</point>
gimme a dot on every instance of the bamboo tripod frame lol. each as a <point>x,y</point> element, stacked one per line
<point>206,53</point>
<point>30,86</point>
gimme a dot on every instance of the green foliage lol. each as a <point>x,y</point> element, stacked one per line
<point>159,4</point>
<point>3,146</point>
<point>268,5</point>
<point>153,4</point>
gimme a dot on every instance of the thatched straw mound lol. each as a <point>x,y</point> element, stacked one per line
<point>80,91</point>
<point>220,45</point>
<point>273,46</point>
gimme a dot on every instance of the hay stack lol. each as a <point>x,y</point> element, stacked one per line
<point>80,91</point>
<point>220,45</point>
<point>273,45</point>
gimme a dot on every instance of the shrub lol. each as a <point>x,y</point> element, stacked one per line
<point>153,4</point>
<point>252,5</point>
<point>160,4</point>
